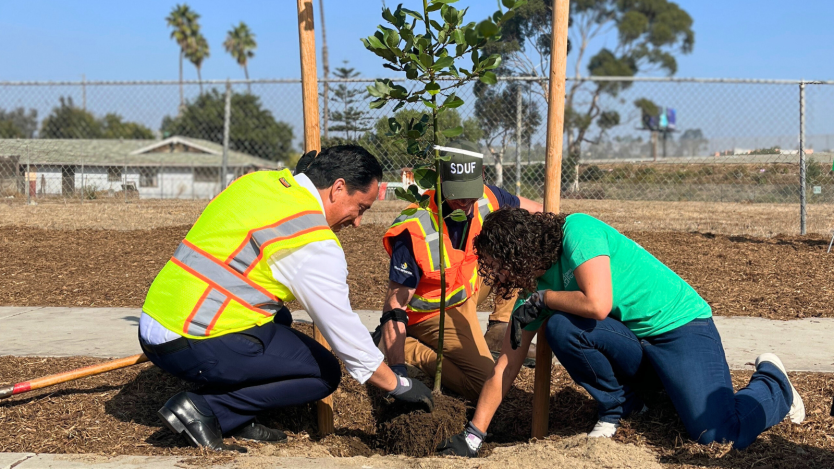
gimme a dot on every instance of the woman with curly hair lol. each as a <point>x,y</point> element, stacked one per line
<point>616,318</point>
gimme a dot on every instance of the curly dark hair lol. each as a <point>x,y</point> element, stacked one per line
<point>515,246</point>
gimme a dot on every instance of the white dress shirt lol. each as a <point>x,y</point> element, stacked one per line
<point>316,273</point>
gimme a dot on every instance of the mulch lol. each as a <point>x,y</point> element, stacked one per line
<point>785,277</point>
<point>114,414</point>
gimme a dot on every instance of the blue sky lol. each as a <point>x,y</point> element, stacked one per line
<point>128,40</point>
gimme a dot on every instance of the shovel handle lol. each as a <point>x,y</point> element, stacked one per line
<point>38,383</point>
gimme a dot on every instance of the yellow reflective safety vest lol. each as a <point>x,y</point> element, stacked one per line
<point>218,280</point>
<point>461,264</point>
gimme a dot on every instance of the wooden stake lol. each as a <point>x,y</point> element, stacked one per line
<point>312,141</point>
<point>552,190</point>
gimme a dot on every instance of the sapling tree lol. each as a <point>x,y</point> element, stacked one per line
<point>438,56</point>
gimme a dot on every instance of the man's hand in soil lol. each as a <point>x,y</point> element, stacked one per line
<point>526,313</point>
<point>412,391</point>
<point>466,443</point>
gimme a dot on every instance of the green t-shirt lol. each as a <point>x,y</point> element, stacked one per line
<point>648,297</point>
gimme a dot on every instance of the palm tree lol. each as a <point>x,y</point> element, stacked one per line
<point>183,21</point>
<point>198,52</point>
<point>240,44</point>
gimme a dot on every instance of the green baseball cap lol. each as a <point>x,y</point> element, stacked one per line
<point>463,175</point>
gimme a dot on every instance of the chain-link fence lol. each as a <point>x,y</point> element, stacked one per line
<point>637,139</point>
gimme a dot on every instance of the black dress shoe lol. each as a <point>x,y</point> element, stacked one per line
<point>181,416</point>
<point>257,432</point>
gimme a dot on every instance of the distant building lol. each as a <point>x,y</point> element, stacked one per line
<point>177,167</point>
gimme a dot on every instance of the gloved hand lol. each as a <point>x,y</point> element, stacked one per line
<point>412,391</point>
<point>399,370</point>
<point>524,315</point>
<point>466,443</point>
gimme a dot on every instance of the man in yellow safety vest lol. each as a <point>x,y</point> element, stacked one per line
<point>215,314</point>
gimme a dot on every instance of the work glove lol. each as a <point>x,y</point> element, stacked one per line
<point>466,443</point>
<point>413,392</point>
<point>399,370</point>
<point>526,313</point>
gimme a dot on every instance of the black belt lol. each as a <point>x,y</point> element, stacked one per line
<point>175,345</point>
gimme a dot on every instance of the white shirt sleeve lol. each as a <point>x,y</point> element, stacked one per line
<point>316,274</point>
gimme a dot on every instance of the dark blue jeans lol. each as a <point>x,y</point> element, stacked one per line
<point>255,370</point>
<point>608,360</point>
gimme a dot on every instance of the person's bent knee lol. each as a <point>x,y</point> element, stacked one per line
<point>331,373</point>
<point>562,333</point>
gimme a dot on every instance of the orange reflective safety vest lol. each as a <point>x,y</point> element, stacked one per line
<point>218,280</point>
<point>461,264</point>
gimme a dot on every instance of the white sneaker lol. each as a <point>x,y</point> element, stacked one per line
<point>797,412</point>
<point>604,430</point>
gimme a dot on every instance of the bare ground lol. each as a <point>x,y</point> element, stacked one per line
<point>761,220</point>
<point>114,414</point>
<point>782,277</point>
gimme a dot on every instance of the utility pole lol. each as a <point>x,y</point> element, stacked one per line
<point>325,64</point>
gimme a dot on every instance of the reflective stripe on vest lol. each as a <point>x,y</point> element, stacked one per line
<point>225,284</point>
<point>424,219</point>
<point>420,304</point>
<point>483,207</point>
<point>250,252</point>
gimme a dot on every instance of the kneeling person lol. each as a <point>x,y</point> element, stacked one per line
<point>411,311</point>
<point>617,318</point>
<point>215,314</point>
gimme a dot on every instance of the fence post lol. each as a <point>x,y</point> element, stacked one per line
<point>803,209</point>
<point>28,176</point>
<point>224,166</point>
<point>83,187</point>
<point>518,141</point>
<point>124,171</point>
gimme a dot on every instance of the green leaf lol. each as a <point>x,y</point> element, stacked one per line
<point>497,16</point>
<point>394,125</point>
<point>452,101</point>
<point>433,88</point>
<point>507,16</point>
<point>459,36</point>
<point>387,16</point>
<point>426,178</point>
<point>375,42</point>
<point>409,211</point>
<point>377,103</point>
<point>428,103</point>
<point>475,59</point>
<point>453,132</point>
<point>425,202</point>
<point>415,191</point>
<point>508,3</point>
<point>443,62</point>
<point>403,194</point>
<point>412,13</point>
<point>425,59</point>
<point>374,92</point>
<point>471,36</point>
<point>442,2</point>
<point>489,78</point>
<point>454,71</point>
<point>411,71</point>
<point>487,28</point>
<point>445,158</point>
<point>414,134</point>
<point>457,215</point>
<point>398,106</point>
<point>434,7</point>
<point>435,25</point>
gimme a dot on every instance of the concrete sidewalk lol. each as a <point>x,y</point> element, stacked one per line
<point>803,344</point>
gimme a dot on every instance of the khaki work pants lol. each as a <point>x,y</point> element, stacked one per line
<point>466,358</point>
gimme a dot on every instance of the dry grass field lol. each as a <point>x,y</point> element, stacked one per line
<point>762,220</point>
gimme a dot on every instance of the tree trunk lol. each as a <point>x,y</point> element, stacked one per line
<point>246,74</point>
<point>200,80</point>
<point>325,63</point>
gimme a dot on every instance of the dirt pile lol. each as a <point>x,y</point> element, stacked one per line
<point>418,433</point>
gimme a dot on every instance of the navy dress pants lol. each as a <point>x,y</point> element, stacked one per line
<point>254,370</point>
<point>608,360</point>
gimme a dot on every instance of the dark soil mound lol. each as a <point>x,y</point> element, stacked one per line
<point>418,433</point>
